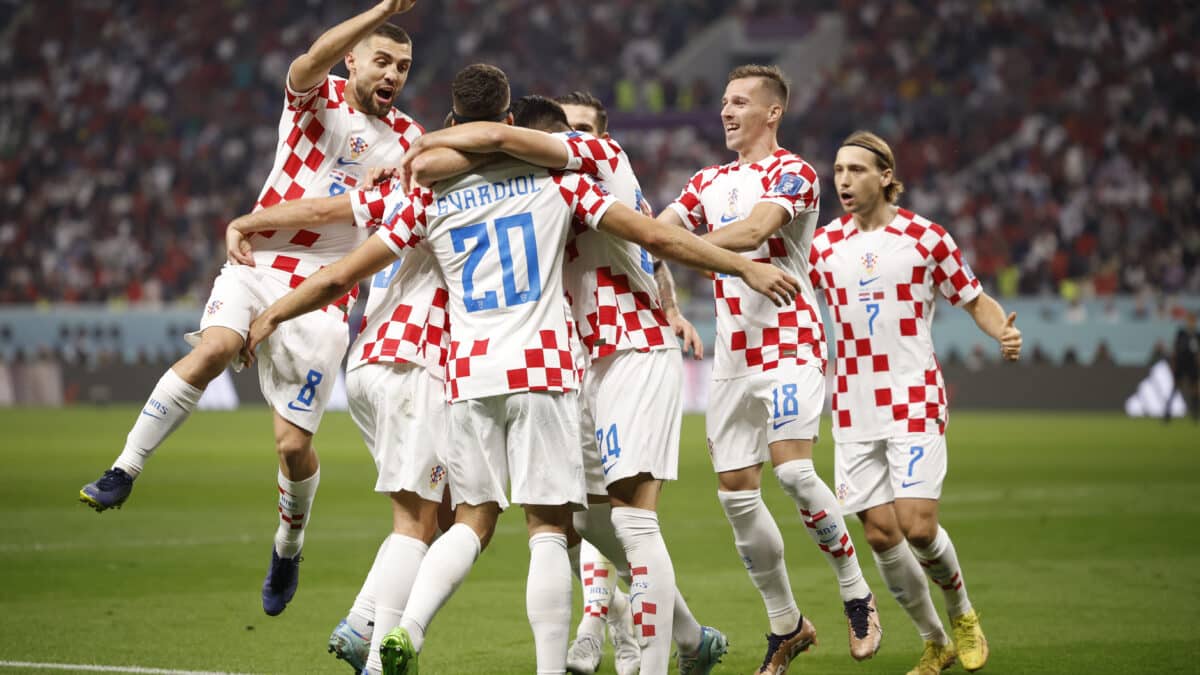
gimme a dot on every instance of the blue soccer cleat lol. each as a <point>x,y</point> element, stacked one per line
<point>348,645</point>
<point>713,646</point>
<point>108,491</point>
<point>280,584</point>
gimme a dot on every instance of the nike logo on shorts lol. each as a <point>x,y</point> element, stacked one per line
<point>292,406</point>
<point>776,425</point>
<point>906,484</point>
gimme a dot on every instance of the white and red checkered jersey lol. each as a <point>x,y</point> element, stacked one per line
<point>880,287</point>
<point>753,334</point>
<point>325,148</point>
<point>498,236</point>
<point>610,281</point>
<point>406,318</point>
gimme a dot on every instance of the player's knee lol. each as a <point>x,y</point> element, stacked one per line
<point>920,534</point>
<point>632,525</point>
<point>293,447</point>
<point>797,477</point>
<point>882,540</point>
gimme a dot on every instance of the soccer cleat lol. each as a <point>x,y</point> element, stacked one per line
<point>280,585</point>
<point>583,656</point>
<point>969,641</point>
<point>627,653</point>
<point>346,644</point>
<point>934,659</point>
<point>108,491</point>
<point>865,632</point>
<point>781,649</point>
<point>713,646</point>
<point>397,653</point>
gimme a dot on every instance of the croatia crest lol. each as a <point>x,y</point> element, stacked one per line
<point>869,261</point>
<point>437,475</point>
<point>357,147</point>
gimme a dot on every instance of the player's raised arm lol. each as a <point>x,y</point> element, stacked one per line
<point>989,316</point>
<point>676,244</point>
<point>748,234</point>
<point>312,67</point>
<point>328,284</point>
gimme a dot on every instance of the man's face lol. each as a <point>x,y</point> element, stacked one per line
<point>378,70</point>
<point>583,118</point>
<point>858,179</point>
<point>745,109</point>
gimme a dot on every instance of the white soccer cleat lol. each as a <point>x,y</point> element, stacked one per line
<point>583,656</point>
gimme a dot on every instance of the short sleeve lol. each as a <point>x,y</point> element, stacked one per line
<point>372,206</point>
<point>305,100</point>
<point>588,199</point>
<point>587,153</point>
<point>951,273</point>
<point>407,227</point>
<point>795,187</point>
<point>688,206</point>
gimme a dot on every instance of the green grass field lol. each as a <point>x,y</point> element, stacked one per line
<point>1078,535</point>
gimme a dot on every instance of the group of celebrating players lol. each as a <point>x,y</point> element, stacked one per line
<point>521,343</point>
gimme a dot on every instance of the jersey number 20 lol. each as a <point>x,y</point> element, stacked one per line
<point>501,229</point>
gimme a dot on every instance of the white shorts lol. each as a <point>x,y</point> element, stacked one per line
<point>298,364</point>
<point>402,414</point>
<point>593,465</point>
<point>636,403</point>
<point>871,473</point>
<point>530,439</point>
<point>747,414</point>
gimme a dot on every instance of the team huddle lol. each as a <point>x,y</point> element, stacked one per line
<point>521,344</point>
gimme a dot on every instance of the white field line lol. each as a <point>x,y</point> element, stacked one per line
<point>77,667</point>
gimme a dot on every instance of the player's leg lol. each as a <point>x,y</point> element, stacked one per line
<point>548,585</point>
<point>297,480</point>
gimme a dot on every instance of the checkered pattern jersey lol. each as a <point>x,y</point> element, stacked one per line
<point>325,147</point>
<point>880,287</point>
<point>610,281</point>
<point>498,237</point>
<point>753,335</point>
<point>406,319</point>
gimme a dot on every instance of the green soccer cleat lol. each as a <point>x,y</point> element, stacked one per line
<point>397,653</point>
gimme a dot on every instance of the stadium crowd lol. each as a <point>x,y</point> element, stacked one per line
<point>1054,139</point>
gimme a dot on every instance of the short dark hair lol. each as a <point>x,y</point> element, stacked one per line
<point>773,78</point>
<point>541,113</point>
<point>480,91</point>
<point>392,32</point>
<point>586,99</point>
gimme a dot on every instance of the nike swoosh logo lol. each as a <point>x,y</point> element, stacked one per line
<point>346,162</point>
<point>780,424</point>
<point>907,484</point>
<point>292,406</point>
<point>864,282</point>
<point>154,416</point>
<point>729,219</point>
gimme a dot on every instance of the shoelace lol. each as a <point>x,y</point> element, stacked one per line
<point>111,479</point>
<point>774,642</point>
<point>859,613</point>
<point>284,571</point>
<point>967,638</point>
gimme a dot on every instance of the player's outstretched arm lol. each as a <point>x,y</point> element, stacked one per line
<point>298,214</point>
<point>529,145</point>
<point>683,328</point>
<point>748,234</point>
<point>322,288</point>
<point>440,164</point>
<point>680,245</point>
<point>312,67</point>
<point>989,316</point>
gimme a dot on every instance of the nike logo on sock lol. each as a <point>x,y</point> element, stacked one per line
<point>148,414</point>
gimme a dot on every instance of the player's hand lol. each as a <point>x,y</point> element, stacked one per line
<point>685,331</point>
<point>398,6</point>
<point>381,174</point>
<point>237,247</point>
<point>260,329</point>
<point>772,282</point>
<point>1010,339</point>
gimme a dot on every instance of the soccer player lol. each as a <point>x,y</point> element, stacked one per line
<point>1185,368</point>
<point>330,129</point>
<point>619,316</point>
<point>881,268</point>
<point>394,383</point>
<point>498,237</point>
<point>768,377</point>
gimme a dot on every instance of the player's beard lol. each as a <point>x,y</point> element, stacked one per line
<point>366,99</point>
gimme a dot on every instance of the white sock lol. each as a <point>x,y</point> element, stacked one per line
<point>941,564</point>
<point>904,578</point>
<point>652,589</point>
<point>168,406</point>
<point>823,520</point>
<point>295,507</point>
<point>686,630</point>
<point>399,564</point>
<point>548,600</point>
<point>361,616</point>
<point>599,578</point>
<point>445,566</point>
<point>760,544</point>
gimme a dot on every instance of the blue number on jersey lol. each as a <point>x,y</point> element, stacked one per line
<point>502,227</point>
<point>383,278</point>
<point>873,310</point>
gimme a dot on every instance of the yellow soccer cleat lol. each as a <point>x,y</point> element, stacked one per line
<point>969,640</point>
<point>934,659</point>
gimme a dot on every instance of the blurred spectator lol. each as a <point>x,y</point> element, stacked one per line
<point>1185,367</point>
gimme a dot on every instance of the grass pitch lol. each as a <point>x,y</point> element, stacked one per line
<point>1078,536</point>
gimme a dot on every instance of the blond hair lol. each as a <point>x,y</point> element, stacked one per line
<point>774,78</point>
<point>884,160</point>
